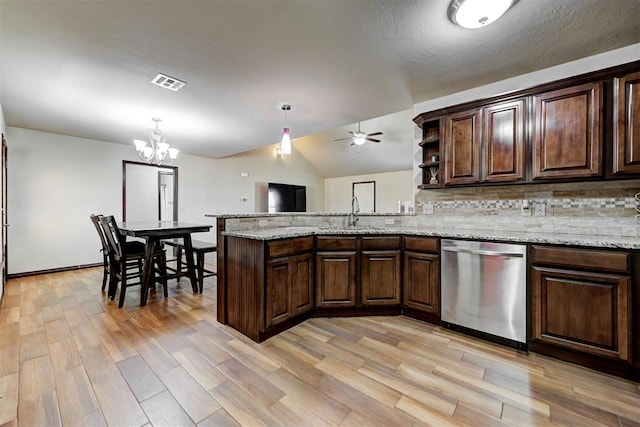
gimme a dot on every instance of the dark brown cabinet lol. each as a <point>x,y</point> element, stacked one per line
<point>421,278</point>
<point>486,144</point>
<point>380,271</point>
<point>567,136</point>
<point>354,272</point>
<point>336,271</point>
<point>289,287</point>
<point>581,305</point>
<point>626,119</point>
<point>336,279</point>
<point>462,147</point>
<point>503,141</point>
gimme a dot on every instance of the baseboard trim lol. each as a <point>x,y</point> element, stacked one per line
<point>51,270</point>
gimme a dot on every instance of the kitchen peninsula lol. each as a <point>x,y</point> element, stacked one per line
<point>276,270</point>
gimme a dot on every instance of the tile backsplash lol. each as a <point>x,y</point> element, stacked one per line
<point>603,207</point>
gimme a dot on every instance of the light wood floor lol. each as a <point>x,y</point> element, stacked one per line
<point>69,356</point>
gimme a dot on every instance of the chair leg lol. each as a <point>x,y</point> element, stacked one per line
<point>123,284</point>
<point>162,266</point>
<point>179,261</point>
<point>105,271</point>
<point>200,269</point>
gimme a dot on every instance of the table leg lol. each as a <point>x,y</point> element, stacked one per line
<point>188,250</point>
<point>147,272</point>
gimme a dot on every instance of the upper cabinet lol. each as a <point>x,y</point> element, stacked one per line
<point>581,128</point>
<point>567,138</point>
<point>486,145</point>
<point>626,117</point>
<point>503,141</point>
<point>462,147</point>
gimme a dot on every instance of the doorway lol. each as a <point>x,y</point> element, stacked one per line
<point>149,192</point>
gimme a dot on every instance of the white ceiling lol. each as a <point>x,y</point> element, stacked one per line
<point>83,68</point>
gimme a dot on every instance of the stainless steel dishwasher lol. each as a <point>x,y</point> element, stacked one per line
<point>484,289</point>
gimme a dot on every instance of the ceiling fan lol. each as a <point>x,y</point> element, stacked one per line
<point>359,137</point>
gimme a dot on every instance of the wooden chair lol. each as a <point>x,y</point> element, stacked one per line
<point>200,248</point>
<point>95,219</point>
<point>122,254</point>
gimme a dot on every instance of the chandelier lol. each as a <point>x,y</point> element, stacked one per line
<point>158,149</point>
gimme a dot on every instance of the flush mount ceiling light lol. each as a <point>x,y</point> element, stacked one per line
<point>158,149</point>
<point>477,13</point>
<point>285,143</point>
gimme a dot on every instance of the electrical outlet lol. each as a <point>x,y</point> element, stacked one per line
<point>262,223</point>
<point>428,209</point>
<point>389,221</point>
<point>244,199</point>
<point>526,208</point>
<point>539,209</point>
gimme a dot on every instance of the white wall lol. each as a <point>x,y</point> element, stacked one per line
<point>581,66</point>
<point>56,181</point>
<point>391,187</point>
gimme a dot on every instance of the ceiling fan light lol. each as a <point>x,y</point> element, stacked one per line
<point>359,140</point>
<point>285,144</point>
<point>477,13</point>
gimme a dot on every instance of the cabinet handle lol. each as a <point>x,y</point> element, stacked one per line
<point>481,252</point>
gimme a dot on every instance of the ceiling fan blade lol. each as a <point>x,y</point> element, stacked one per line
<point>373,140</point>
<point>351,132</point>
<point>375,134</point>
<point>342,139</point>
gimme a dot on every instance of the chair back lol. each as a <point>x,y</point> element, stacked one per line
<point>95,219</point>
<point>112,233</point>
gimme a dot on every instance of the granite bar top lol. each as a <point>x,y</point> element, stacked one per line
<point>598,241</point>
<point>311,214</point>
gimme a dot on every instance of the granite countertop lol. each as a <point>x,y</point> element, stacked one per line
<point>600,241</point>
<point>321,214</point>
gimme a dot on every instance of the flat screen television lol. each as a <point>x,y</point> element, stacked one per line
<point>287,198</point>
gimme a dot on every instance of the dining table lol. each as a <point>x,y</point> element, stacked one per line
<point>153,232</point>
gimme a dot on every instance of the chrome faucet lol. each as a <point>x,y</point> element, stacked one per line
<point>355,210</point>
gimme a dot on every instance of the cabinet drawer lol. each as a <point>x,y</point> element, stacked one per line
<point>289,246</point>
<point>380,243</point>
<point>333,243</point>
<point>582,258</point>
<point>422,244</point>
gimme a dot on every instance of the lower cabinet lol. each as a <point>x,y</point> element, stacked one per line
<point>380,278</point>
<point>289,288</point>
<point>358,271</point>
<point>581,305</point>
<point>336,279</point>
<point>421,278</point>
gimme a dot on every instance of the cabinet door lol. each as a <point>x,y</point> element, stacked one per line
<point>336,279</point>
<point>302,284</point>
<point>567,140</point>
<point>462,145</point>
<point>583,311</point>
<point>380,278</point>
<point>421,282</point>
<point>503,154</point>
<point>626,122</point>
<point>277,291</point>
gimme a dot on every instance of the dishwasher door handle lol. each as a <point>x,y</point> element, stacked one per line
<point>482,252</point>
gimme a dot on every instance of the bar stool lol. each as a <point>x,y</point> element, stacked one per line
<point>200,248</point>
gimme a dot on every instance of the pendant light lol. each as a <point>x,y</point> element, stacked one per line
<point>477,13</point>
<point>285,143</point>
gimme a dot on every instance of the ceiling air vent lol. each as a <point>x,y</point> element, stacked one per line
<point>168,82</point>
